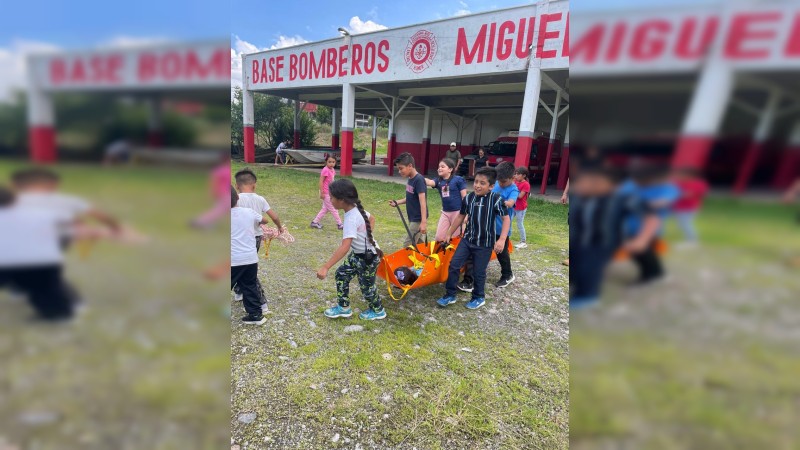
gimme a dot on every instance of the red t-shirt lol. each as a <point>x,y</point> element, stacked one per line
<point>692,193</point>
<point>522,203</point>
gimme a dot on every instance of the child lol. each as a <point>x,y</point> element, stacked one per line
<point>453,189</point>
<point>505,187</point>
<point>649,183</point>
<point>246,185</point>
<point>220,180</point>
<point>31,260</point>
<point>598,211</point>
<point>279,154</point>
<point>244,259</point>
<point>415,201</point>
<point>521,206</point>
<point>692,190</point>
<point>362,260</point>
<point>325,179</point>
<point>482,206</point>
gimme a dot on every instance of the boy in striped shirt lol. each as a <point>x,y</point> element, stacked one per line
<point>482,207</point>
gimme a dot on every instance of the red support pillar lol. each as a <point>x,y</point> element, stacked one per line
<point>42,144</point>
<point>334,141</point>
<point>346,162</point>
<point>374,145</point>
<point>155,139</point>
<point>747,167</point>
<point>425,152</point>
<point>548,158</point>
<point>563,168</point>
<point>390,153</point>
<point>523,155</point>
<point>249,144</point>
<point>787,168</point>
<point>296,141</point>
<point>692,152</point>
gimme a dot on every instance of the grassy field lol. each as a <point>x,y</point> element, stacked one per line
<point>423,378</point>
<point>707,359</point>
<point>147,364</point>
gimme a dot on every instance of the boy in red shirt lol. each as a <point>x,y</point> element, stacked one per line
<point>693,188</point>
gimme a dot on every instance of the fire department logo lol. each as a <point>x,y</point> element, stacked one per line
<point>420,51</point>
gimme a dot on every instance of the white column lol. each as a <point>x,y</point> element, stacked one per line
<point>527,121</point>
<point>41,126</point>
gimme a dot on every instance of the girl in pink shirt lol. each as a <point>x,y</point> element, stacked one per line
<point>325,180</point>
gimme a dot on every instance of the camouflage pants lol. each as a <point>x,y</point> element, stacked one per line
<point>352,266</point>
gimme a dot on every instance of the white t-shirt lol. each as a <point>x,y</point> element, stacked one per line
<point>280,148</point>
<point>65,207</point>
<point>28,237</point>
<point>354,227</point>
<point>255,202</point>
<point>243,237</point>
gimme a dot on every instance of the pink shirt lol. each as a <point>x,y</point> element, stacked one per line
<point>327,178</point>
<point>692,193</point>
<point>221,177</point>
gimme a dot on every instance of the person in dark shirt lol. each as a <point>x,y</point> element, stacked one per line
<point>598,211</point>
<point>480,238</point>
<point>415,201</point>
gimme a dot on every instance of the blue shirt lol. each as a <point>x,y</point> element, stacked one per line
<point>506,193</point>
<point>664,194</point>
<point>414,187</point>
<point>450,190</point>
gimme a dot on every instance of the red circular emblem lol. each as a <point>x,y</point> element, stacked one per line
<point>420,51</point>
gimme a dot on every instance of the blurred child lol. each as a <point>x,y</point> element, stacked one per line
<point>220,179</point>
<point>521,206</point>
<point>246,185</point>
<point>362,252</point>
<point>453,189</point>
<point>650,184</point>
<point>564,202</point>
<point>415,201</point>
<point>692,190</point>
<point>482,206</point>
<point>598,211</point>
<point>244,259</point>
<point>325,180</point>
<point>31,260</point>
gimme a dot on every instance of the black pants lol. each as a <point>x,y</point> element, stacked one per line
<point>246,277</point>
<point>505,265</point>
<point>587,264</point>
<point>47,292</point>
<point>649,263</point>
<point>258,247</point>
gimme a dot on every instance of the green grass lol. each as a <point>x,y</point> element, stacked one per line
<point>147,364</point>
<point>452,379</point>
<point>708,360</point>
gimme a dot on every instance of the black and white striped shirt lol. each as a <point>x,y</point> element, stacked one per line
<point>482,212</point>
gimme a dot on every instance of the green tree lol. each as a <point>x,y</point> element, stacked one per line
<point>274,121</point>
<point>323,115</point>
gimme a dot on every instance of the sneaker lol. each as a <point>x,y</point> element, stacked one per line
<point>370,314</point>
<point>253,320</point>
<point>464,286</point>
<point>521,245</point>
<point>475,303</point>
<point>338,311</point>
<point>340,226</point>
<point>316,225</point>
<point>503,282</point>
<point>446,300</point>
<point>265,308</point>
<point>238,296</point>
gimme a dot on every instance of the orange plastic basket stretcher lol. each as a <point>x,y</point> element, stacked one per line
<point>435,265</point>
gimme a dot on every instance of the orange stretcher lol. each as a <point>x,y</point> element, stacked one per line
<point>661,249</point>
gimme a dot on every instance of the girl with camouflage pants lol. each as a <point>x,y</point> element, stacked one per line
<point>362,259</point>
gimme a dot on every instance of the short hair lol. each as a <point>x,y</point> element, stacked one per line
<point>522,170</point>
<point>245,177</point>
<point>24,177</point>
<point>234,197</point>
<point>489,172</point>
<point>505,170</point>
<point>405,159</point>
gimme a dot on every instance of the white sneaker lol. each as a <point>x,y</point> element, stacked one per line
<point>264,308</point>
<point>521,245</point>
<point>238,297</point>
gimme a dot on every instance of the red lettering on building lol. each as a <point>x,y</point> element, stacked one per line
<point>565,46</point>
<point>588,44</point>
<point>742,32</point>
<point>649,40</point>
<point>470,54</point>
<point>617,39</point>
<point>342,60</point>
<point>544,35</point>
<point>505,46</point>
<point>383,46</point>
<point>355,68</point>
<point>793,44</point>
<point>686,47</point>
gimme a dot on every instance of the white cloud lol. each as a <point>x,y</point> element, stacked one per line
<point>241,47</point>
<point>358,26</point>
<point>462,12</point>
<point>134,41</point>
<point>13,61</point>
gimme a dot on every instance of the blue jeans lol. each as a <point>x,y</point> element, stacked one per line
<point>686,222</point>
<point>519,219</point>
<point>480,257</point>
